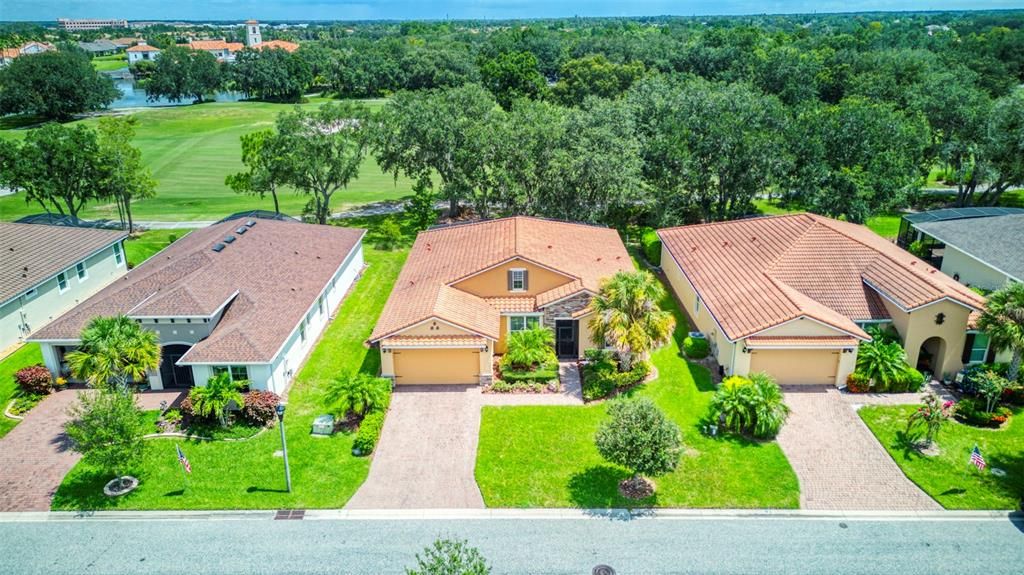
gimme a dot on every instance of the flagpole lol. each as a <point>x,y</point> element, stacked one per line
<point>181,465</point>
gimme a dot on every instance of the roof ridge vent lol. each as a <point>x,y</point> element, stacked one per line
<point>229,239</point>
<point>241,230</point>
<point>218,247</point>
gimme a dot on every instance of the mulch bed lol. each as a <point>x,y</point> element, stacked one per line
<point>636,488</point>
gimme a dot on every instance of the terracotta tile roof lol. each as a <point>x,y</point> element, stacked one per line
<point>143,48</point>
<point>762,341</point>
<point>32,253</point>
<point>434,341</point>
<point>282,44</point>
<point>265,281</point>
<point>215,45</point>
<point>757,273</point>
<point>513,303</point>
<point>444,255</point>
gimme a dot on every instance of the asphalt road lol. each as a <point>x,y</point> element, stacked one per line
<point>516,545</point>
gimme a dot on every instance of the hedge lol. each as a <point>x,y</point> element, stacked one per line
<point>369,432</point>
<point>651,245</point>
<point>542,374</point>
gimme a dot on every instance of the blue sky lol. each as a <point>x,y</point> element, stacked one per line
<point>439,9</point>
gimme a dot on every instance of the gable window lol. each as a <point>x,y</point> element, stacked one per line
<point>517,280</point>
<point>80,270</point>
<point>62,282</point>
<point>522,322</point>
<point>118,256</point>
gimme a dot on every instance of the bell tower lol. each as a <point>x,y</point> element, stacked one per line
<point>252,33</point>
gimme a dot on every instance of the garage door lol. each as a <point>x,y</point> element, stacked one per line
<point>797,366</point>
<point>437,366</point>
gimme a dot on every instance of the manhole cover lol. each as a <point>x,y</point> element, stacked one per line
<point>603,570</point>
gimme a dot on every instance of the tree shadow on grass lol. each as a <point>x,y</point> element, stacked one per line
<point>255,489</point>
<point>597,487</point>
<point>908,444</point>
<point>84,491</point>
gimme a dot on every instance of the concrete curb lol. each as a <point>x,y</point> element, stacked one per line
<point>527,514</point>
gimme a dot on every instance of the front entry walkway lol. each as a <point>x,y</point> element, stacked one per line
<point>35,456</point>
<point>840,464</point>
<point>427,451</point>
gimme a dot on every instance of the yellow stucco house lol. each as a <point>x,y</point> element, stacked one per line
<point>793,295</point>
<point>464,287</point>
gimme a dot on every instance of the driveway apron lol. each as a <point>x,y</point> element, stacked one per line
<point>427,451</point>
<point>840,464</point>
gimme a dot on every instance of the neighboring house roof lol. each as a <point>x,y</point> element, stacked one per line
<point>444,255</point>
<point>143,48</point>
<point>959,213</point>
<point>125,41</point>
<point>215,45</point>
<point>758,273</point>
<point>265,281</point>
<point>100,45</point>
<point>282,44</point>
<point>32,253</point>
<point>997,242</point>
<point>11,53</point>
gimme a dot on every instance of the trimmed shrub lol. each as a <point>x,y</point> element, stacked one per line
<point>651,245</point>
<point>34,380</point>
<point>858,383</point>
<point>259,408</point>
<point>640,437</point>
<point>542,374</point>
<point>369,433</point>
<point>972,412</point>
<point>753,406</point>
<point>696,347</point>
<point>601,375</point>
<point>910,380</point>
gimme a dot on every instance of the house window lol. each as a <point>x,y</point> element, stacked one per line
<point>522,322</point>
<point>30,294</point>
<point>118,256</point>
<point>517,280</point>
<point>979,347</point>
<point>62,282</point>
<point>696,308</point>
<point>80,270</point>
<point>302,330</point>
<point>238,373</point>
<point>320,305</point>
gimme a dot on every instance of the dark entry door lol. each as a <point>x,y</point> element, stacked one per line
<point>175,375</point>
<point>566,332</point>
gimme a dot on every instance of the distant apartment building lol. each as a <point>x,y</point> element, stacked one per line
<point>79,24</point>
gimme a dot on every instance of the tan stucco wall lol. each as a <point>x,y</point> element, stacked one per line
<point>971,271</point>
<point>586,340</point>
<point>919,325</point>
<point>802,327</point>
<point>434,327</point>
<point>725,351</point>
<point>494,282</point>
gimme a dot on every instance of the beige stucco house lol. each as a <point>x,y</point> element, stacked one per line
<point>464,287</point>
<point>248,297</point>
<point>47,270</point>
<point>793,295</point>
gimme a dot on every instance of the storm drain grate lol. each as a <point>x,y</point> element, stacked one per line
<point>285,514</point>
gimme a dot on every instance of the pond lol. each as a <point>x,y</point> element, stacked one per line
<point>133,96</point>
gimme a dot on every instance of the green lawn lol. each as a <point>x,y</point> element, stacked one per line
<point>110,63</point>
<point>246,475</point>
<point>138,249</point>
<point>27,355</point>
<point>192,148</point>
<point>544,456</point>
<point>948,477</point>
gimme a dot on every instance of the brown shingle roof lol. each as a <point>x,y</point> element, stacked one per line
<point>586,254</point>
<point>32,253</point>
<point>268,278</point>
<point>758,273</point>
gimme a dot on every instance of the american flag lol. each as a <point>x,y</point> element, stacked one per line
<point>977,460</point>
<point>188,466</point>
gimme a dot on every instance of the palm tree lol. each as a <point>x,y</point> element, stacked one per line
<point>529,348</point>
<point>628,317</point>
<point>882,362</point>
<point>769,410</point>
<point>358,394</point>
<point>114,352</point>
<point>1003,321</point>
<point>214,398</point>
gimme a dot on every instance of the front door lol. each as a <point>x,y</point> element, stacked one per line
<point>566,331</point>
<point>175,375</point>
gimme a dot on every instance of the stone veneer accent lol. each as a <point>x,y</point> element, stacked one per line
<point>565,308</point>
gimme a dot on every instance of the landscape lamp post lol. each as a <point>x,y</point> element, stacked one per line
<point>284,447</point>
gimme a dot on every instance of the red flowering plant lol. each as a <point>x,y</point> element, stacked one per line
<point>932,413</point>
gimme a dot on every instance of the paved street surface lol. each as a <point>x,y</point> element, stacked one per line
<point>563,542</point>
<point>34,456</point>
<point>838,461</point>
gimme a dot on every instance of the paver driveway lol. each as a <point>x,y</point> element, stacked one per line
<point>840,464</point>
<point>427,451</point>
<point>34,456</point>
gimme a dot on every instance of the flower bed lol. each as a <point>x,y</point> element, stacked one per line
<point>972,412</point>
<point>541,379</point>
<point>601,375</point>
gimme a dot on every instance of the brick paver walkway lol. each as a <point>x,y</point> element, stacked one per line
<point>34,456</point>
<point>840,464</point>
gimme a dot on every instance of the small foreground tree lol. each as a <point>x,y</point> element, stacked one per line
<point>638,436</point>
<point>450,557</point>
<point>106,427</point>
<point>1003,321</point>
<point>932,414</point>
<point>991,386</point>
